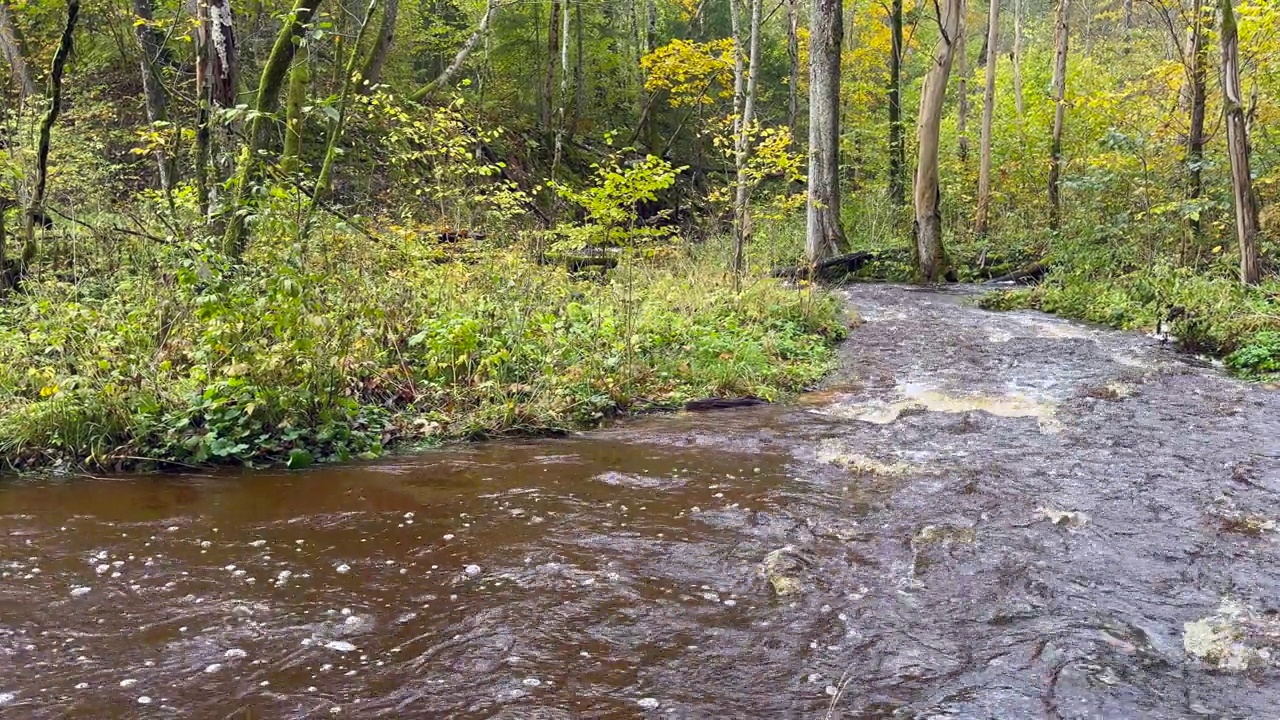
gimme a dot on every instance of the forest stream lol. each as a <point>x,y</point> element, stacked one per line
<point>980,515</point>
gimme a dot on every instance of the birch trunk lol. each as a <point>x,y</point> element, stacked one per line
<point>897,132</point>
<point>742,154</point>
<point>1246,203</point>
<point>824,236</point>
<point>927,193</point>
<point>446,76</point>
<point>988,113</point>
<point>793,60</point>
<point>1061,41</point>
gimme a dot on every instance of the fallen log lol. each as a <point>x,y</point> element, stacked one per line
<point>831,269</point>
<point>1026,275</point>
<point>723,403</point>
<point>575,260</point>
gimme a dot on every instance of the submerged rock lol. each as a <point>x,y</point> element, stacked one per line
<point>1233,638</point>
<point>1063,518</point>
<point>781,569</point>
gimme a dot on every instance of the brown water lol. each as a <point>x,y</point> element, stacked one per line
<point>984,515</point>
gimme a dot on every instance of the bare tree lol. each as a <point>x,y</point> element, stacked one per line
<point>824,236</point>
<point>793,58</point>
<point>1061,40</point>
<point>1246,203</point>
<point>928,193</point>
<point>988,112</point>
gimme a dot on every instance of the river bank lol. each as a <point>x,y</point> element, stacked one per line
<point>979,515</point>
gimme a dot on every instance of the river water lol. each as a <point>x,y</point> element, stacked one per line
<point>980,516</point>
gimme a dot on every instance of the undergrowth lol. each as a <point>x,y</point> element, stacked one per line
<point>342,348</point>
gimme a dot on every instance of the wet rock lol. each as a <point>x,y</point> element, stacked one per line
<point>341,646</point>
<point>782,569</point>
<point>1069,519</point>
<point>1234,638</point>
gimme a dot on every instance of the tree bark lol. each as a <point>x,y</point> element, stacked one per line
<point>446,76</point>
<point>962,92</point>
<point>371,73</point>
<point>824,235</point>
<point>547,109</point>
<point>1197,80</point>
<point>1246,203</point>
<point>35,206</point>
<point>1061,41</point>
<point>988,112</point>
<point>897,132</point>
<point>562,97</point>
<point>221,59</point>
<point>742,154</point>
<point>1017,58</point>
<point>273,73</point>
<point>149,48</point>
<point>299,82</point>
<point>14,52</point>
<point>928,192</point>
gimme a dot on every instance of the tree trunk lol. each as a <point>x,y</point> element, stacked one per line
<point>1061,40</point>
<point>742,154</point>
<point>793,59</point>
<point>299,82</point>
<point>1198,82</point>
<point>547,111</point>
<point>962,92</point>
<point>1017,58</point>
<point>35,206</point>
<point>1246,203</point>
<point>824,235</point>
<point>12,47</point>
<point>897,132</point>
<point>222,64</point>
<point>988,112</point>
<point>371,74</point>
<point>149,48</point>
<point>273,73</point>
<point>446,76</point>
<point>336,126</point>
<point>579,80</point>
<point>927,192</point>
<point>562,97</point>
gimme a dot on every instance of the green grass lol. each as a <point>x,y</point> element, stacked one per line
<point>343,348</point>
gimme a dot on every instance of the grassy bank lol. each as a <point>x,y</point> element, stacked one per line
<point>347,346</point>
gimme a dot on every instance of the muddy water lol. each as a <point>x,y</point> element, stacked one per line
<point>983,515</point>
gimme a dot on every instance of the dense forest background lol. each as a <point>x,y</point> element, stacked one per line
<point>256,229</point>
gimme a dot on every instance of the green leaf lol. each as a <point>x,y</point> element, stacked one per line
<point>299,459</point>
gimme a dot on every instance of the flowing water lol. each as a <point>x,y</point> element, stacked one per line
<point>981,516</point>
